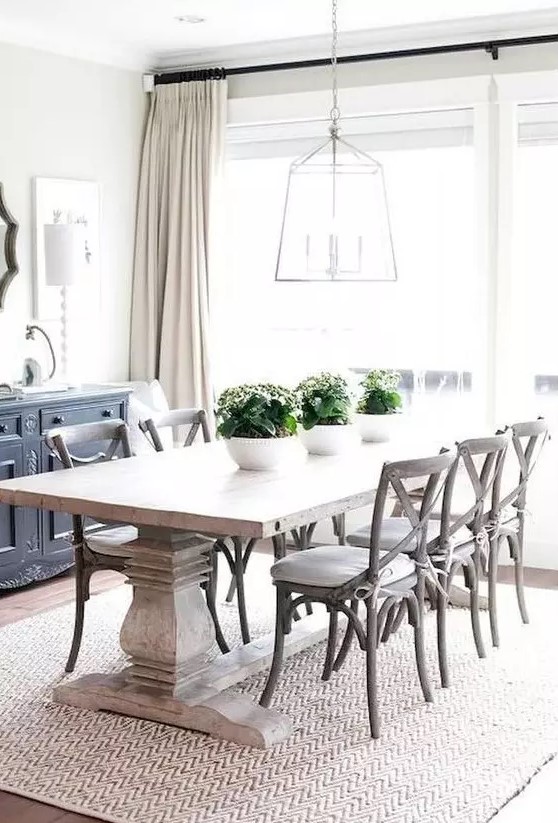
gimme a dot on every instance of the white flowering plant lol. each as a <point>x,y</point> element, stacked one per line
<point>325,400</point>
<point>380,394</point>
<point>257,410</point>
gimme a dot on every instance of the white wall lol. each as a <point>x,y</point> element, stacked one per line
<point>403,70</point>
<point>69,118</point>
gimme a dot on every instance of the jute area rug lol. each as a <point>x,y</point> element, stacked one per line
<point>460,759</point>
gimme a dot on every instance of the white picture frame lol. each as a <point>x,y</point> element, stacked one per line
<point>66,201</point>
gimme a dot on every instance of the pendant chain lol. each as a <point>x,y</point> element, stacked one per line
<point>335,113</point>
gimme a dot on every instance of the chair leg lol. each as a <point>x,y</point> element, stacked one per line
<point>431,593</point>
<point>417,621</point>
<point>347,640</point>
<point>280,617</point>
<point>390,620</point>
<point>472,581</point>
<point>371,679</point>
<point>239,574</point>
<point>305,534</point>
<point>519,586</point>
<point>247,554</point>
<point>339,528</point>
<point>279,546</point>
<point>441,629</point>
<point>210,596</point>
<point>82,596</point>
<point>492,599</point>
<point>402,611</point>
<point>331,643</point>
<point>231,590</point>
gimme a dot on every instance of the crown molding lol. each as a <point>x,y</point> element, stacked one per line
<point>384,39</point>
<point>522,24</point>
<point>129,59</point>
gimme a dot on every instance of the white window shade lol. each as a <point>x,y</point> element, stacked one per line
<point>538,124</point>
<point>369,133</point>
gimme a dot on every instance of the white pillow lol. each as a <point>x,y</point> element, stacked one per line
<point>151,394</point>
<point>146,401</point>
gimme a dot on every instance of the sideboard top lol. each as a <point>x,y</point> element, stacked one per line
<point>73,395</point>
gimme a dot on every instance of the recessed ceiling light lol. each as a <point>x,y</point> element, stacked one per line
<point>190,18</point>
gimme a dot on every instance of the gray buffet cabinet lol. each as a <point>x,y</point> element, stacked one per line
<point>34,544</point>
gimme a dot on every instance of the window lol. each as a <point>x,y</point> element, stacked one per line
<point>533,349</point>
<point>419,324</point>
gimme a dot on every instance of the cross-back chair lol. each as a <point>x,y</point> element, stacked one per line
<point>508,514</point>
<point>456,542</point>
<point>195,421</point>
<point>96,547</point>
<point>462,542</point>
<point>341,576</point>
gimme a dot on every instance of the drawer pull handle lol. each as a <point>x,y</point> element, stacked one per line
<point>107,412</point>
<point>3,428</point>
<point>58,419</point>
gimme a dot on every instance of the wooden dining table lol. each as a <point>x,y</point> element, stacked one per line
<point>174,674</point>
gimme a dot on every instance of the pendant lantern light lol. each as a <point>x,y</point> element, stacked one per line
<point>336,221</point>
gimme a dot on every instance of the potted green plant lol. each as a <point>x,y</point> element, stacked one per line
<point>325,413</point>
<point>258,422</point>
<point>378,410</point>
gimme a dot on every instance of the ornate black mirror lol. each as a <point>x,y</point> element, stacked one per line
<point>8,260</point>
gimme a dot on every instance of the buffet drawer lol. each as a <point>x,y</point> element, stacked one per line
<point>55,418</point>
<point>10,426</point>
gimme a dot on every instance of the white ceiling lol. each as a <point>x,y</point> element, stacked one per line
<point>140,33</point>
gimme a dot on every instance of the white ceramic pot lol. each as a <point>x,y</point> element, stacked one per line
<point>329,440</point>
<point>378,428</point>
<point>261,453</point>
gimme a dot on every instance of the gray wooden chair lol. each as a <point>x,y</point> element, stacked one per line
<point>456,541</point>
<point>194,421</point>
<point>96,547</point>
<point>508,514</point>
<point>342,576</point>
<point>462,542</point>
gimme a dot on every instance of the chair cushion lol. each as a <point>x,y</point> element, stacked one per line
<point>112,541</point>
<point>394,529</point>
<point>459,553</point>
<point>331,566</point>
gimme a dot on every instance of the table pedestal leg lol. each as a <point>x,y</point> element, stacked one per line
<point>169,637</point>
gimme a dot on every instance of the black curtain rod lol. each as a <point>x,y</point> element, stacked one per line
<point>491,47</point>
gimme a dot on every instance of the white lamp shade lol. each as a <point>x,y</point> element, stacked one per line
<point>64,253</point>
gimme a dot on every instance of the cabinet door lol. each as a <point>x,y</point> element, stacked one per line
<point>11,517</point>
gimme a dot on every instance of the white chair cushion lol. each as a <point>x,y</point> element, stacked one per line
<point>112,541</point>
<point>331,566</point>
<point>394,529</point>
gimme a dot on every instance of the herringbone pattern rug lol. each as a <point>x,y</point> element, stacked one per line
<point>458,760</point>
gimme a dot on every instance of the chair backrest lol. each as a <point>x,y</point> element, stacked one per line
<point>112,432</point>
<point>61,441</point>
<point>479,463</point>
<point>196,419</point>
<point>528,440</point>
<point>392,480</point>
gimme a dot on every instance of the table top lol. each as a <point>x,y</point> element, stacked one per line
<point>201,489</point>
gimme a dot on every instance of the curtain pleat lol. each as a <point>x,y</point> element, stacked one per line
<point>181,166</point>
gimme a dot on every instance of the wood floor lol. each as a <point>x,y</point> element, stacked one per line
<point>538,802</point>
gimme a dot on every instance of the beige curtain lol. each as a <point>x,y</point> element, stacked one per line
<point>181,164</point>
